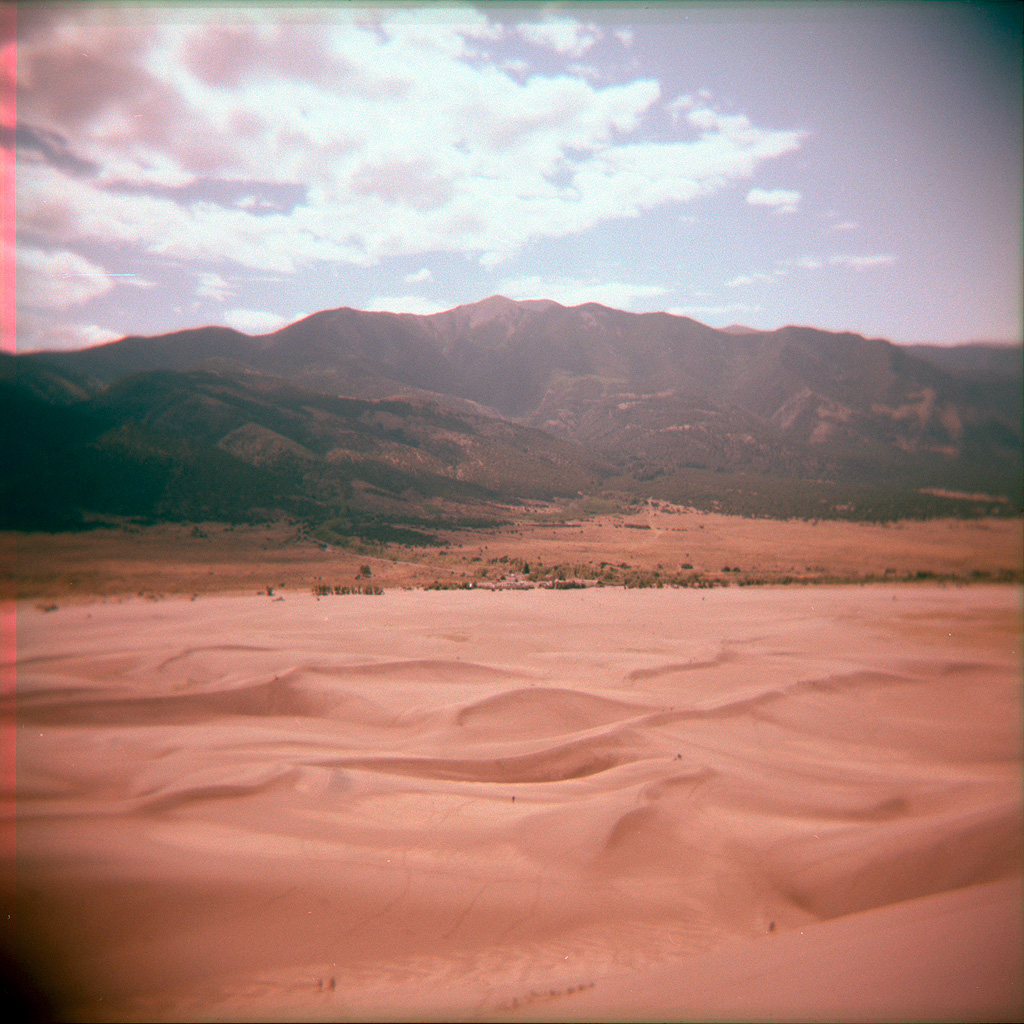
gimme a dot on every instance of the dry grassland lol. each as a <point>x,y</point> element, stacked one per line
<point>663,544</point>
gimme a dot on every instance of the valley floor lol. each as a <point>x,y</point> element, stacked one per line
<point>657,543</point>
<point>605,804</point>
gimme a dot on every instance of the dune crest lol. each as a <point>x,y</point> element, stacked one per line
<point>486,824</point>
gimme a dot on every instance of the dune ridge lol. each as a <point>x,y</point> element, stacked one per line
<point>363,814</point>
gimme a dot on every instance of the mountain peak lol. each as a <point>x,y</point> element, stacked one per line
<point>656,393</point>
<point>496,301</point>
<point>501,303</point>
<point>494,307</point>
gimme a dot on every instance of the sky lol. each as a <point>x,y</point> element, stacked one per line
<point>849,166</point>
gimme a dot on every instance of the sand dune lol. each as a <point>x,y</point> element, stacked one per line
<point>580,805</point>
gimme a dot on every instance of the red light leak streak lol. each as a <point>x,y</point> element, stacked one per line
<point>8,122</point>
<point>8,343</point>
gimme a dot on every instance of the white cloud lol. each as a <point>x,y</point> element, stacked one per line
<point>40,331</point>
<point>403,143</point>
<point>845,225</point>
<point>474,25</point>
<point>66,208</point>
<point>680,107</point>
<point>405,304</point>
<point>702,118</point>
<point>516,66</point>
<point>714,315</point>
<point>584,71</point>
<point>624,36</point>
<point>563,35</point>
<point>213,286</point>
<point>781,200</point>
<point>253,321</point>
<point>782,269</point>
<point>419,277</point>
<point>861,262</point>
<point>58,280</point>
<point>742,280</point>
<point>93,334</point>
<point>570,292</point>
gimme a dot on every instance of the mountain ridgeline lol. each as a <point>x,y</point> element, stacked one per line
<point>369,419</point>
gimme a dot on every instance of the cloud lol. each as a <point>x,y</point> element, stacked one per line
<point>565,36</point>
<point>41,331</point>
<point>405,304</point>
<point>415,183</point>
<point>516,66</point>
<point>419,277</point>
<point>254,321</point>
<point>92,334</point>
<point>571,292</point>
<point>845,225</point>
<point>213,286</point>
<point>861,262</point>
<point>64,208</point>
<point>742,280</point>
<point>387,133</point>
<point>781,269</point>
<point>58,280</point>
<point>781,200</point>
<point>680,107</point>
<point>714,315</point>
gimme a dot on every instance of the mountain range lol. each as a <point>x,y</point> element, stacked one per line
<point>374,414</point>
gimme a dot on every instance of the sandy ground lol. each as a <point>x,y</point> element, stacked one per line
<point>745,803</point>
<point>215,558</point>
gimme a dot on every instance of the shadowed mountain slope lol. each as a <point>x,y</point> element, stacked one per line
<point>645,396</point>
<point>205,444</point>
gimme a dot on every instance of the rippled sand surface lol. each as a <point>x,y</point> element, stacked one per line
<point>583,805</point>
